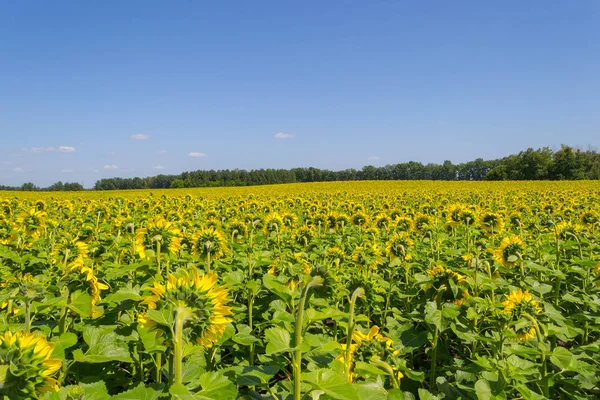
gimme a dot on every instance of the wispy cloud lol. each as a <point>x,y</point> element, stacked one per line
<point>282,135</point>
<point>374,158</point>
<point>158,167</point>
<point>139,136</point>
<point>18,169</point>
<point>49,149</point>
<point>161,152</point>
<point>113,166</point>
<point>195,154</point>
<point>67,171</point>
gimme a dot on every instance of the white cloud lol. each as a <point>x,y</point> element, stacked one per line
<point>158,167</point>
<point>18,169</point>
<point>113,166</point>
<point>66,149</point>
<point>282,135</point>
<point>161,152</point>
<point>67,171</point>
<point>139,136</point>
<point>195,154</point>
<point>373,158</point>
<point>41,149</point>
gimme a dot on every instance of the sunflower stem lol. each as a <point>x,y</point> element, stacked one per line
<point>178,344</point>
<point>358,292</point>
<point>297,367</point>
<point>27,317</point>
<point>158,269</point>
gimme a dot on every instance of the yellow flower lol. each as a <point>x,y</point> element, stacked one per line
<point>157,230</point>
<point>204,302</point>
<point>510,251</point>
<point>491,223</point>
<point>82,274</point>
<point>367,255</point>
<point>521,301</point>
<point>398,246</point>
<point>70,252</point>
<point>209,243</point>
<point>26,365</point>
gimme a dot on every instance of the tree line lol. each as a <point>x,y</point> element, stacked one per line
<point>567,163</point>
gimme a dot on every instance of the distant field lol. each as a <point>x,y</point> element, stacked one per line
<point>342,290</point>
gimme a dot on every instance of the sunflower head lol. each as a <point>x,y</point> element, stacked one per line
<point>510,251</point>
<point>83,278</point>
<point>157,230</point>
<point>519,301</point>
<point>404,224</point>
<point>70,251</point>
<point>516,304</point>
<point>26,365</point>
<point>198,298</point>
<point>237,229</point>
<point>447,285</point>
<point>360,218</point>
<point>209,243</point>
<point>589,218</point>
<point>303,236</point>
<point>491,223</point>
<point>368,255</point>
<point>398,247</point>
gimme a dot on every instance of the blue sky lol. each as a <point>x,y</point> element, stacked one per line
<point>347,83</point>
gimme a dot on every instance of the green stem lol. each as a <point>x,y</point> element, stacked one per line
<point>359,292</point>
<point>27,317</point>
<point>178,344</point>
<point>158,269</point>
<point>297,342</point>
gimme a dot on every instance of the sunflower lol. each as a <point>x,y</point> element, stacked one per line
<point>589,218</point>
<point>26,365</point>
<point>209,243</point>
<point>6,231</point>
<point>199,297</point>
<point>370,347</point>
<point>360,219</point>
<point>32,222</point>
<point>273,223</point>
<point>510,251</point>
<point>518,303</point>
<point>303,236</point>
<point>83,277</point>
<point>237,229</point>
<point>404,224</point>
<point>398,246</point>
<point>70,252</point>
<point>423,222</point>
<point>367,255</point>
<point>447,285</point>
<point>568,230</point>
<point>491,223</point>
<point>157,230</point>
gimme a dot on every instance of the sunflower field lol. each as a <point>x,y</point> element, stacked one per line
<point>349,290</point>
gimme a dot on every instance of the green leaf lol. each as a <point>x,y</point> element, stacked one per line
<point>278,340</point>
<point>139,393</point>
<point>372,391</point>
<point>483,390</point>
<point>216,386</point>
<point>562,358</point>
<point>163,317</point>
<point>257,376</point>
<point>63,342</point>
<point>424,394</point>
<point>244,336</point>
<point>123,294</point>
<point>104,345</point>
<point>83,391</point>
<point>433,316</point>
<point>332,383</point>
<point>81,303</point>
